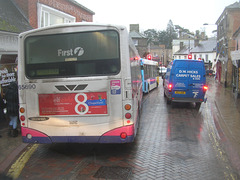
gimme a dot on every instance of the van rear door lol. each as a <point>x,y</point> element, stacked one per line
<point>188,79</point>
<point>197,79</point>
<point>180,79</point>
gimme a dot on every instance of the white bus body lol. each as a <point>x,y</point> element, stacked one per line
<point>79,83</point>
<point>150,75</point>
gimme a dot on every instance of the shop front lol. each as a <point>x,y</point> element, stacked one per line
<point>236,72</point>
<point>8,60</point>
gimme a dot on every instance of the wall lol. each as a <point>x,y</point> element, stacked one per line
<point>29,7</point>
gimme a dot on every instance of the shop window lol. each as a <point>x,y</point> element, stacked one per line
<point>49,16</point>
<point>8,71</point>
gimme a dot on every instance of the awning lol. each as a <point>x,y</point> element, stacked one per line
<point>235,55</point>
<point>8,59</point>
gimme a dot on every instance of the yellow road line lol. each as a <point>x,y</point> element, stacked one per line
<point>18,166</point>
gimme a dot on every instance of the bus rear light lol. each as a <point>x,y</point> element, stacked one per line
<point>128,121</point>
<point>170,87</point>
<point>128,115</point>
<point>22,110</point>
<point>123,135</point>
<point>128,107</point>
<point>22,118</point>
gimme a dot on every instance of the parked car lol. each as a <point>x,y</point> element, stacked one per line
<point>162,70</point>
<point>210,73</point>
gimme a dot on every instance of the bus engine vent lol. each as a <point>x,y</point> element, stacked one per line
<point>71,87</point>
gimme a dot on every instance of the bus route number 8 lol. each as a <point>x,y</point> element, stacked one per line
<point>81,107</point>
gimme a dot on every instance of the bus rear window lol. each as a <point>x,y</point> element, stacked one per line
<point>72,54</point>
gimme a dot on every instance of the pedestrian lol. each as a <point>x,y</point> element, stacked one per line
<point>2,106</point>
<point>11,97</point>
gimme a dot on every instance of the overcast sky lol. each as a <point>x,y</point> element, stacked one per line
<point>155,14</point>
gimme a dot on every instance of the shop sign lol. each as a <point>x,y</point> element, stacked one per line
<point>6,77</point>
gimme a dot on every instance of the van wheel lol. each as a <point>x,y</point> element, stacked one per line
<point>198,104</point>
<point>169,101</point>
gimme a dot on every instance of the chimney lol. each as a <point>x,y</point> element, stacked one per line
<point>134,27</point>
<point>196,42</point>
<point>181,45</point>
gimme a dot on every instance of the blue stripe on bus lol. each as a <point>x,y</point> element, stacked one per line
<point>78,139</point>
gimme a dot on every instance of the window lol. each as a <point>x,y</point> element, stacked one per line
<point>135,41</point>
<point>49,16</point>
<point>72,54</point>
<point>206,58</point>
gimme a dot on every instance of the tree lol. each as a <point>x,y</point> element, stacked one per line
<point>171,34</point>
<point>166,36</point>
<point>151,35</point>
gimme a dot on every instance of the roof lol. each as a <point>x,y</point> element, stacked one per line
<point>83,7</point>
<point>183,51</point>
<point>206,46</point>
<point>235,5</point>
<point>135,34</point>
<point>11,20</point>
<point>203,47</point>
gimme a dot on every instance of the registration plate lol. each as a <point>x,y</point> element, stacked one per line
<point>180,92</point>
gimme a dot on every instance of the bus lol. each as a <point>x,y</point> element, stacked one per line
<point>150,75</point>
<point>79,83</point>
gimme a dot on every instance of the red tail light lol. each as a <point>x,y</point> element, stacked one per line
<point>170,87</point>
<point>123,135</point>
<point>22,118</point>
<point>128,115</point>
<point>205,88</point>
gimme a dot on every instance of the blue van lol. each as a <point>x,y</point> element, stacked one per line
<point>185,81</point>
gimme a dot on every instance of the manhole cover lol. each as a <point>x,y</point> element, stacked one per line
<point>113,172</point>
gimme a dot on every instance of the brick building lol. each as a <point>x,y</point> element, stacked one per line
<point>139,40</point>
<point>41,13</point>
<point>17,16</point>
<point>227,25</point>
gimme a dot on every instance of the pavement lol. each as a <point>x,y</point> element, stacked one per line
<point>227,123</point>
<point>10,147</point>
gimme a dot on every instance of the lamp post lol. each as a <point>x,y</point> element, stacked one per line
<point>207,24</point>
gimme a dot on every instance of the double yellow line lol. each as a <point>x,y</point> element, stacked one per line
<point>19,164</point>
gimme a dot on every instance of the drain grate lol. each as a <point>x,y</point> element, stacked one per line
<point>113,172</point>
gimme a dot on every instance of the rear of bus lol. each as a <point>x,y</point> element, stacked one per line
<point>76,85</point>
<point>150,75</point>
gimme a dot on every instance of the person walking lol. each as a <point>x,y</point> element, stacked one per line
<point>11,97</point>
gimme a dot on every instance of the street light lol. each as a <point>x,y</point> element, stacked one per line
<point>206,24</point>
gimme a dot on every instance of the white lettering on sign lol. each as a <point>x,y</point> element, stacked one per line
<point>195,94</point>
<point>79,51</point>
<point>81,107</point>
<point>190,73</point>
<point>6,77</point>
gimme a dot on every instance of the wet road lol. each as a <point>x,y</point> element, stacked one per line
<point>176,142</point>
